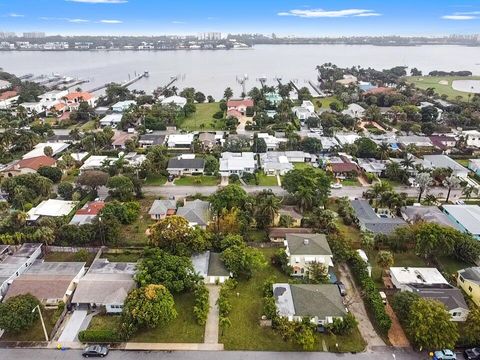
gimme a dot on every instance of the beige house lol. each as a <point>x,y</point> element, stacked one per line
<point>469,280</point>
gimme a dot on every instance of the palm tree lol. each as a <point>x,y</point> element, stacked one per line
<point>384,150</point>
<point>451,182</point>
<point>423,181</point>
<point>385,260</point>
<point>407,162</point>
<point>305,197</point>
<point>267,206</point>
<point>469,190</point>
<point>430,199</point>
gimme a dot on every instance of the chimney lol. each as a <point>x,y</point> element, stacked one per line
<point>305,241</point>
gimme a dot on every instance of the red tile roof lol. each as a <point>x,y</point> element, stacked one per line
<point>344,167</point>
<point>8,94</point>
<point>237,103</point>
<point>91,208</point>
<point>36,163</point>
<point>235,113</point>
<point>85,96</point>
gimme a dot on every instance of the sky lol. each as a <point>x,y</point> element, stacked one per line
<point>283,17</point>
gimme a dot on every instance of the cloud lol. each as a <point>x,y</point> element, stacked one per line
<point>75,21</point>
<point>109,21</point>
<point>99,1</point>
<point>15,15</point>
<point>78,21</point>
<point>320,13</point>
<point>467,15</point>
<point>178,22</point>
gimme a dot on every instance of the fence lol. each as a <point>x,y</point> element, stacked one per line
<point>72,249</point>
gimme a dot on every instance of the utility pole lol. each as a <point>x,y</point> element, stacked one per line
<point>41,319</point>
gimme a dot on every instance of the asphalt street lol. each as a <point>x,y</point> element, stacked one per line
<point>42,354</point>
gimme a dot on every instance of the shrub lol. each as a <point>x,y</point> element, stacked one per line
<point>201,307</point>
<point>99,336</point>
<point>218,115</point>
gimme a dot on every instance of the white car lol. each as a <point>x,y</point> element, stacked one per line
<point>336,186</point>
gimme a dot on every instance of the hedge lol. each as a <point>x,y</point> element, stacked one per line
<point>99,336</point>
<point>373,301</point>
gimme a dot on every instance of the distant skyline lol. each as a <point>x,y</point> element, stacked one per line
<point>292,17</point>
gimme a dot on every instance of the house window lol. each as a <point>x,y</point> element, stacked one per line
<point>456,313</point>
<point>470,289</point>
<point>462,279</point>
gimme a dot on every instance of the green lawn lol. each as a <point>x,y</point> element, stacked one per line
<point>134,234</point>
<point>256,235</point>
<point>155,180</point>
<point>36,332</point>
<point>89,125</point>
<point>350,182</point>
<point>425,82</point>
<point>184,329</point>
<point>264,180</point>
<point>324,101</point>
<point>199,180</point>
<point>245,332</point>
<point>203,119</point>
<point>451,265</point>
<point>69,257</point>
<point>401,259</point>
<point>463,162</point>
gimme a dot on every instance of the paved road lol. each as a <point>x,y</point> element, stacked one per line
<point>349,191</point>
<point>41,354</point>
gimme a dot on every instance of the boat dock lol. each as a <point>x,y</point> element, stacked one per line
<point>316,89</point>
<point>124,84</point>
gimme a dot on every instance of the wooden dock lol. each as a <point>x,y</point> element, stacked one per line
<point>124,84</point>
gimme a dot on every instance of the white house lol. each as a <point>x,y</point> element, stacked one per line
<point>465,217</point>
<point>443,161</point>
<point>272,142</point>
<point>237,163</point>
<point>96,162</point>
<point>404,278</point>
<point>39,149</point>
<point>275,163</point>
<point>472,137</point>
<point>175,100</point>
<point>121,106</point>
<point>111,120</point>
<point>51,208</point>
<point>180,141</point>
<point>355,111</point>
<point>307,104</point>
<point>304,249</point>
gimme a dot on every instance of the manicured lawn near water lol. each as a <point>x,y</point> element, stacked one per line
<point>203,119</point>
<point>441,84</point>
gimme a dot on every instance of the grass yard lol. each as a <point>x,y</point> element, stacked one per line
<point>264,180</point>
<point>155,180</point>
<point>463,162</point>
<point>425,82</point>
<point>184,329</point>
<point>450,265</point>
<point>199,180</point>
<point>69,257</point>
<point>245,332</point>
<point>350,182</point>
<point>88,126</point>
<point>36,332</point>
<point>301,166</point>
<point>134,234</point>
<point>401,259</point>
<point>326,101</point>
<point>203,119</point>
<point>255,235</point>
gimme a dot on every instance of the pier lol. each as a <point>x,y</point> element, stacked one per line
<point>124,84</point>
<point>316,89</point>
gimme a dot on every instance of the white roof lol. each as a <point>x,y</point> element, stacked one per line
<point>57,147</point>
<point>111,119</point>
<point>354,110</point>
<point>420,275</point>
<point>177,100</point>
<point>443,161</point>
<point>51,207</point>
<point>123,105</point>
<point>467,216</point>
<point>230,162</point>
<point>347,138</point>
<point>95,161</point>
<point>180,138</point>
<point>78,156</point>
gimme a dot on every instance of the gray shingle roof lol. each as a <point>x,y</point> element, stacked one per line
<point>369,219</point>
<point>162,206</point>
<point>317,244</point>
<point>451,297</point>
<point>186,163</point>
<point>196,211</point>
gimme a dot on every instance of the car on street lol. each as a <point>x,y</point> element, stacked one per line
<point>95,351</point>
<point>472,354</point>
<point>170,178</point>
<point>341,288</point>
<point>444,354</point>
<point>336,186</point>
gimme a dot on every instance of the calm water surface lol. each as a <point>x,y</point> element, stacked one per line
<point>212,71</point>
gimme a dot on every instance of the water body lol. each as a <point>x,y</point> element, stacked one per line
<point>212,71</point>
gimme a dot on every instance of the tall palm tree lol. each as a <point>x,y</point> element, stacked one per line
<point>384,150</point>
<point>451,182</point>
<point>407,162</point>
<point>469,190</point>
<point>267,206</point>
<point>305,197</point>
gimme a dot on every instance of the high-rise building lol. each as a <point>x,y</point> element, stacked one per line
<point>210,36</point>
<point>33,35</point>
<point>7,35</point>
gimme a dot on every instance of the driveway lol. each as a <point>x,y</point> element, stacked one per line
<point>77,322</point>
<point>357,307</point>
<point>211,327</point>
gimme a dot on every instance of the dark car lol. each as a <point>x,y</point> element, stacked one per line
<point>95,351</point>
<point>472,354</point>
<point>341,288</point>
<point>170,178</point>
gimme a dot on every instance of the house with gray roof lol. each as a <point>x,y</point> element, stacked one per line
<point>321,303</point>
<point>304,249</point>
<point>416,213</point>
<point>105,284</point>
<point>210,267</point>
<point>448,295</point>
<point>197,213</point>
<point>466,217</point>
<point>160,209</point>
<point>444,161</point>
<point>186,165</point>
<point>369,220</point>
<point>469,280</point>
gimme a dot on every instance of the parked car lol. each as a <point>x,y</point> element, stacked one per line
<point>170,178</point>
<point>472,354</point>
<point>336,186</point>
<point>444,354</point>
<point>95,351</point>
<point>341,288</point>
<point>384,297</point>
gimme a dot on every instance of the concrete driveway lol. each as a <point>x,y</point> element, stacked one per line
<point>357,307</point>
<point>75,324</point>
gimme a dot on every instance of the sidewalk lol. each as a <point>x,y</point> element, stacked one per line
<point>173,346</point>
<point>211,327</point>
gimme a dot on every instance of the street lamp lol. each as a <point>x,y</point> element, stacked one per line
<point>41,318</point>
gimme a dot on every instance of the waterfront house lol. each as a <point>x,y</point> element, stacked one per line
<point>8,99</point>
<point>121,106</point>
<point>175,100</point>
<point>321,304</point>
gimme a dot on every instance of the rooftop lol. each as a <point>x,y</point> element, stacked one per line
<point>162,207</point>
<point>196,212</point>
<point>209,264</point>
<point>177,163</point>
<point>450,296</point>
<point>418,275</point>
<point>371,221</point>
<point>279,232</point>
<point>468,216</point>
<point>51,207</point>
<point>427,213</point>
<point>444,161</point>
<point>471,273</point>
<point>308,244</point>
<point>57,147</point>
